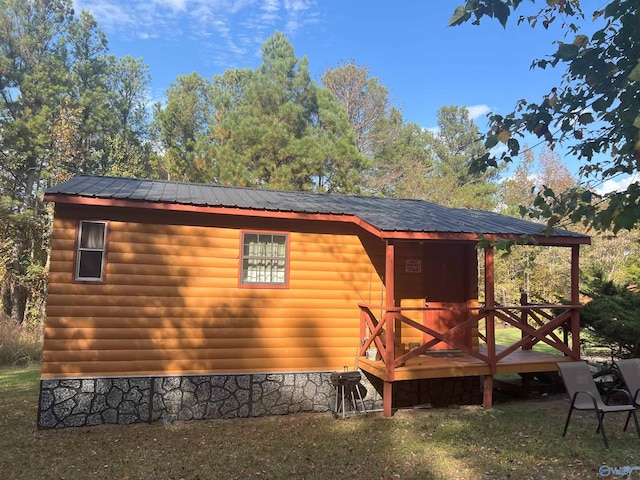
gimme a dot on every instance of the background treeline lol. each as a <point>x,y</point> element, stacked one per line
<point>68,107</point>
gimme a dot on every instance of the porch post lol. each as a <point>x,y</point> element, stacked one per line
<point>489,293</point>
<point>390,303</point>
<point>575,300</point>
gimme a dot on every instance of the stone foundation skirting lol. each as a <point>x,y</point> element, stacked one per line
<point>96,401</point>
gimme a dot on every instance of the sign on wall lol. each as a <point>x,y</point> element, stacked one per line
<point>413,265</point>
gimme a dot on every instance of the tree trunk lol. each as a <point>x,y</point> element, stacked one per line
<point>14,294</point>
<point>18,303</point>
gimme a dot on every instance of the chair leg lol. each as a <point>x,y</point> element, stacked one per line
<point>601,429</point>
<point>635,419</point>
<point>566,424</point>
<point>626,423</point>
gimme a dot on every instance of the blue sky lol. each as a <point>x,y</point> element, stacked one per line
<point>406,44</point>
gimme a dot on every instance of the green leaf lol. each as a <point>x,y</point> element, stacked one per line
<point>627,218</point>
<point>585,118</point>
<point>480,164</point>
<point>505,245</point>
<point>460,16</point>
<point>504,136</point>
<point>501,12</point>
<point>635,73</point>
<point>514,146</point>
<point>567,51</point>
<point>491,141</point>
<point>581,41</point>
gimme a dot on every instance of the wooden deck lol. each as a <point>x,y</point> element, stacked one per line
<point>443,364</point>
<point>555,325</point>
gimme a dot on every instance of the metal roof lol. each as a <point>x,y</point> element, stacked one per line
<point>385,214</point>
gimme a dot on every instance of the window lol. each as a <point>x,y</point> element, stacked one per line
<point>264,259</point>
<point>91,251</point>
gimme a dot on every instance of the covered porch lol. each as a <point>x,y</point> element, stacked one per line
<point>458,338</point>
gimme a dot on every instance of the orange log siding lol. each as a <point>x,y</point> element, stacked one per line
<point>171,303</point>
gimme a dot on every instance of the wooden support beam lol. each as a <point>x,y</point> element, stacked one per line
<point>489,277</point>
<point>387,399</point>
<point>575,299</point>
<point>490,303</point>
<point>389,273</point>
<point>390,303</point>
<point>487,397</point>
<point>363,333</point>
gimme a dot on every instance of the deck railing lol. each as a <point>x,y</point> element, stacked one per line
<point>556,325</point>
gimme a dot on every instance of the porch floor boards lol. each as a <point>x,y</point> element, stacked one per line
<point>443,365</point>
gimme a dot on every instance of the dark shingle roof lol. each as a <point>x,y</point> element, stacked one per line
<point>391,215</point>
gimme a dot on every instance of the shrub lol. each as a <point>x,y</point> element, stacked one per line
<point>613,316</point>
<point>19,344</point>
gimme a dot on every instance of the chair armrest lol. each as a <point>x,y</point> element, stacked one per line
<point>620,390</point>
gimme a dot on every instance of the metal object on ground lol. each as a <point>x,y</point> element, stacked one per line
<point>346,384</point>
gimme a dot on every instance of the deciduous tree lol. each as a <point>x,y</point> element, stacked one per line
<point>366,102</point>
<point>593,109</point>
<point>33,79</point>
<point>127,149</point>
<point>56,118</point>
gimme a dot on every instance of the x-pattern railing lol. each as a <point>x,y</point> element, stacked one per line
<point>545,323</point>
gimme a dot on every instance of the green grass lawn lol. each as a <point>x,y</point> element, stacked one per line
<point>510,335</point>
<point>516,440</point>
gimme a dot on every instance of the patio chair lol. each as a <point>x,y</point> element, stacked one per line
<point>584,395</point>
<point>630,372</point>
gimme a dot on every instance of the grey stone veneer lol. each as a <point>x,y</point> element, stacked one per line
<point>95,401</point>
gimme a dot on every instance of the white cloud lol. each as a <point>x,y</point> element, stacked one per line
<point>270,6</point>
<point>610,185</point>
<point>220,24</point>
<point>477,111</point>
<point>175,5</point>
<point>297,5</point>
<point>108,14</point>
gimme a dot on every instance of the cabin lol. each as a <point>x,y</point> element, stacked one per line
<point>181,301</point>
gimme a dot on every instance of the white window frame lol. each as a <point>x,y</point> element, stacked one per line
<point>83,250</point>
<point>268,264</point>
